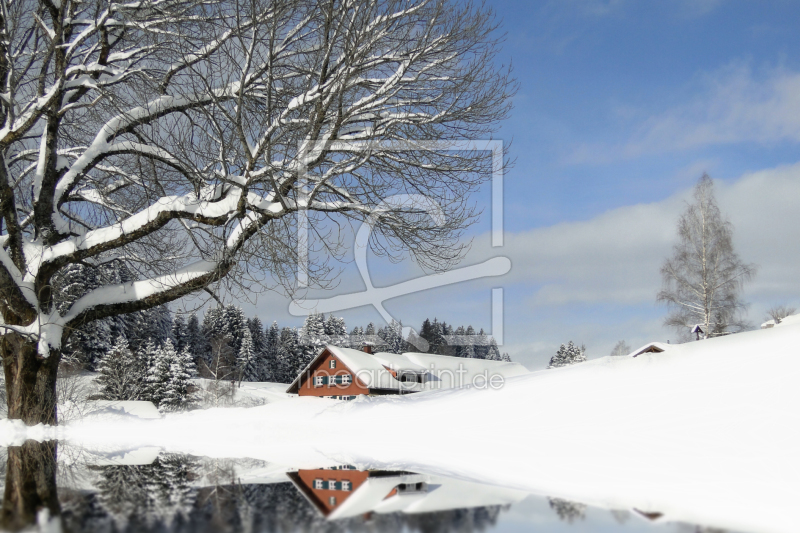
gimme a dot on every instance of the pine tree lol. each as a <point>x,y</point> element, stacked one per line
<point>246,359</point>
<point>158,373</point>
<point>179,333</point>
<point>393,335</point>
<point>195,339</point>
<point>481,345</point>
<point>566,355</point>
<point>312,336</point>
<point>121,373</point>
<point>270,370</point>
<point>357,339</point>
<point>177,390</point>
<point>290,356</point>
<point>370,333</point>
<point>493,352</point>
<point>236,324</point>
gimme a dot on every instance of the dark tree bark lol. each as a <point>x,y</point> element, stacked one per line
<point>30,485</point>
<point>30,380</point>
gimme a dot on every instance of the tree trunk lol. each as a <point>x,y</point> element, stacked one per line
<point>30,485</point>
<point>30,380</point>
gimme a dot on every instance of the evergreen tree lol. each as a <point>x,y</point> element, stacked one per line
<point>246,360</point>
<point>290,355</point>
<point>195,339</point>
<point>236,323</point>
<point>567,355</point>
<point>469,349</point>
<point>179,333</point>
<point>493,352</point>
<point>357,339</point>
<point>158,374</point>
<point>336,331</point>
<point>481,345</point>
<point>370,334</point>
<point>121,373</point>
<point>270,370</point>
<point>393,335</point>
<point>177,390</point>
<point>312,336</point>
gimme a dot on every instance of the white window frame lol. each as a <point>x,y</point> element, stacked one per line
<point>333,363</point>
<point>347,379</point>
<point>318,484</point>
<point>346,485</point>
<point>318,381</point>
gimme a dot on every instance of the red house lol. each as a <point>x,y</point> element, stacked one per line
<point>344,373</point>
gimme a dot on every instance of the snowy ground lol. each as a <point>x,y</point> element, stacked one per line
<point>706,432</point>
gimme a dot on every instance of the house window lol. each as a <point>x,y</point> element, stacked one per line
<point>332,501</point>
<point>318,483</point>
<point>346,485</point>
<point>346,379</point>
<point>332,485</point>
<point>333,363</point>
<point>318,381</point>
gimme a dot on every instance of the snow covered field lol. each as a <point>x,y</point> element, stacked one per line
<point>706,432</point>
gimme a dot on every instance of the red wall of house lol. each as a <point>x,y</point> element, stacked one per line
<point>322,368</point>
<point>355,477</point>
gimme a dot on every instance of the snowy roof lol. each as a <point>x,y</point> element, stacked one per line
<point>385,370</point>
<point>440,494</point>
<point>650,347</point>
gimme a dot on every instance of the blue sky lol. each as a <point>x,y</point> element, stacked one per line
<point>622,106</point>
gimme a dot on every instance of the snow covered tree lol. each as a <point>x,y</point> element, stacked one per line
<point>312,336</point>
<point>336,331</point>
<point>704,277</point>
<point>566,355</point>
<point>291,356</point>
<point>246,359</point>
<point>270,370</point>
<point>184,137</point>
<point>393,335</point>
<point>194,338</point>
<point>158,372</point>
<point>177,393</point>
<point>121,373</point>
<point>178,333</point>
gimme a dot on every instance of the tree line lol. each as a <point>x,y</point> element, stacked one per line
<point>157,362</point>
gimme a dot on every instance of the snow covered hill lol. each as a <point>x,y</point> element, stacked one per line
<point>706,432</point>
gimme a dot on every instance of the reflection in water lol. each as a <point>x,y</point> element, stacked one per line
<point>178,493</point>
<point>567,510</point>
<point>147,490</point>
<point>30,485</point>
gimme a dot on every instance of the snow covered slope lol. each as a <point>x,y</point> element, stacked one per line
<point>706,432</point>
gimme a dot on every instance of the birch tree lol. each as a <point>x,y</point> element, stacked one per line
<point>704,277</point>
<point>183,137</point>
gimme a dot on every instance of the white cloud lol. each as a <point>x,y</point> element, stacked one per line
<point>595,281</point>
<point>733,105</point>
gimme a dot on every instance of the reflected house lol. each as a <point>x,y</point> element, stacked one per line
<point>345,373</point>
<point>344,492</point>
